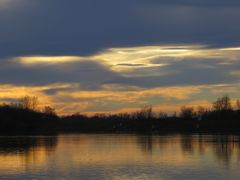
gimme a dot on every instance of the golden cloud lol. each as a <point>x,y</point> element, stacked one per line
<point>130,58</point>
<point>70,98</point>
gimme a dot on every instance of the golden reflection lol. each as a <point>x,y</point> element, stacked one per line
<point>18,154</point>
<point>65,152</point>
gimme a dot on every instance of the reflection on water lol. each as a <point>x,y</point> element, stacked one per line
<point>19,154</point>
<point>120,157</point>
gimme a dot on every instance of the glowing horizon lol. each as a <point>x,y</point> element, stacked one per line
<point>69,80</point>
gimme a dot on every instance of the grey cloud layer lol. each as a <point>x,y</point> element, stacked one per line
<point>185,72</point>
<point>93,75</point>
<point>60,27</point>
<point>90,74</point>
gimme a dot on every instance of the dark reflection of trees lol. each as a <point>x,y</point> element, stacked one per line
<point>146,143</point>
<point>187,144</point>
<point>223,147</point>
<point>201,145</point>
<point>15,145</point>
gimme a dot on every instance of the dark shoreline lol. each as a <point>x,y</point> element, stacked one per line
<point>166,133</point>
<point>221,119</point>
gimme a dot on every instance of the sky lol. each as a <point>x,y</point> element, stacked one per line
<point>111,56</point>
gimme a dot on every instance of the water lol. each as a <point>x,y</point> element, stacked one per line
<point>120,157</point>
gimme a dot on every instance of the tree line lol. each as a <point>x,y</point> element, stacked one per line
<point>24,116</point>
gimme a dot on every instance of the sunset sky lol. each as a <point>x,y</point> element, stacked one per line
<point>118,55</point>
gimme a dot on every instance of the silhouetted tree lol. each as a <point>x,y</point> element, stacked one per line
<point>187,112</point>
<point>201,112</point>
<point>222,104</point>
<point>162,115</point>
<point>28,102</point>
<point>49,110</point>
<point>145,113</point>
<point>238,104</point>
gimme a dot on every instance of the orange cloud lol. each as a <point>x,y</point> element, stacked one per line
<point>70,98</point>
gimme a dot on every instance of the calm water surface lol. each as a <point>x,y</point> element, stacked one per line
<point>120,157</point>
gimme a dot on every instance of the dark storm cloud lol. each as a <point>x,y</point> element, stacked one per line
<point>61,27</point>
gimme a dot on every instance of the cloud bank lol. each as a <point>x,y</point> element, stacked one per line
<point>112,55</point>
